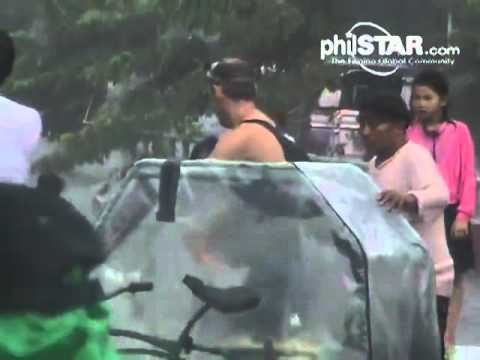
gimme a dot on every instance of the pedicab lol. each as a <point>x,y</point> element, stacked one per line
<point>337,276</point>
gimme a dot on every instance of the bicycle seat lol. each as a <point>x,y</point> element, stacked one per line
<point>229,300</point>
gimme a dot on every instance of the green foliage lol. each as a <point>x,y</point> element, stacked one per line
<point>474,3</point>
<point>133,69</point>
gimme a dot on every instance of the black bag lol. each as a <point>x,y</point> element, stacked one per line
<point>43,240</point>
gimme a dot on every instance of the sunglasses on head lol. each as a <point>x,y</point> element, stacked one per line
<point>209,69</point>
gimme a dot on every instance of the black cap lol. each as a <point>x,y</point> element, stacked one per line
<point>237,78</point>
<point>390,107</point>
<point>230,70</point>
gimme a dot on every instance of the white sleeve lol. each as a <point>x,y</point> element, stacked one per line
<point>32,132</point>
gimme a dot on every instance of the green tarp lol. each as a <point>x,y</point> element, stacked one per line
<point>80,334</point>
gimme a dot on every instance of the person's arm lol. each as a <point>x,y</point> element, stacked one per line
<point>468,176</point>
<point>426,183</point>
<point>230,146</point>
<point>467,184</point>
<point>427,188</point>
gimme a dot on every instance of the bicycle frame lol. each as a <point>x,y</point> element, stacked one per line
<point>174,349</point>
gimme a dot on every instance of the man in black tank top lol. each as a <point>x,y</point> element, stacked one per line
<point>254,136</point>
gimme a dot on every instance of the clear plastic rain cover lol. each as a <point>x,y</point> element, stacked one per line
<point>339,278</point>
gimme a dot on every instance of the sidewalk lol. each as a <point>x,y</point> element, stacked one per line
<point>468,331</point>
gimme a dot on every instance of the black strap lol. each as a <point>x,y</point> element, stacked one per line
<point>264,123</point>
<point>270,128</point>
<point>291,150</point>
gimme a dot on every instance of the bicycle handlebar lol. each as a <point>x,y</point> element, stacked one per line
<point>134,351</point>
<point>132,288</point>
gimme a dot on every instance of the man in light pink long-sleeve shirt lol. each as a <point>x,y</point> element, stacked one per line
<point>411,183</point>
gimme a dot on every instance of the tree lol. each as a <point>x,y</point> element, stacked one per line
<point>107,74</point>
<point>133,70</point>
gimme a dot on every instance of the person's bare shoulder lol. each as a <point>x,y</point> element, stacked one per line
<point>249,142</point>
<point>262,145</point>
<point>232,145</point>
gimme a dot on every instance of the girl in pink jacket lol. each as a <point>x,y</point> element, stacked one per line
<point>450,143</point>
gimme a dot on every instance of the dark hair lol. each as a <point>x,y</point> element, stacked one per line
<point>437,82</point>
<point>50,183</point>
<point>235,76</point>
<point>7,55</point>
<point>204,148</point>
<point>390,107</point>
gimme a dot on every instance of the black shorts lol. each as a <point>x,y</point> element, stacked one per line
<point>460,249</point>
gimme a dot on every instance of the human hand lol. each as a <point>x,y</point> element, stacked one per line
<point>394,200</point>
<point>459,229</point>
